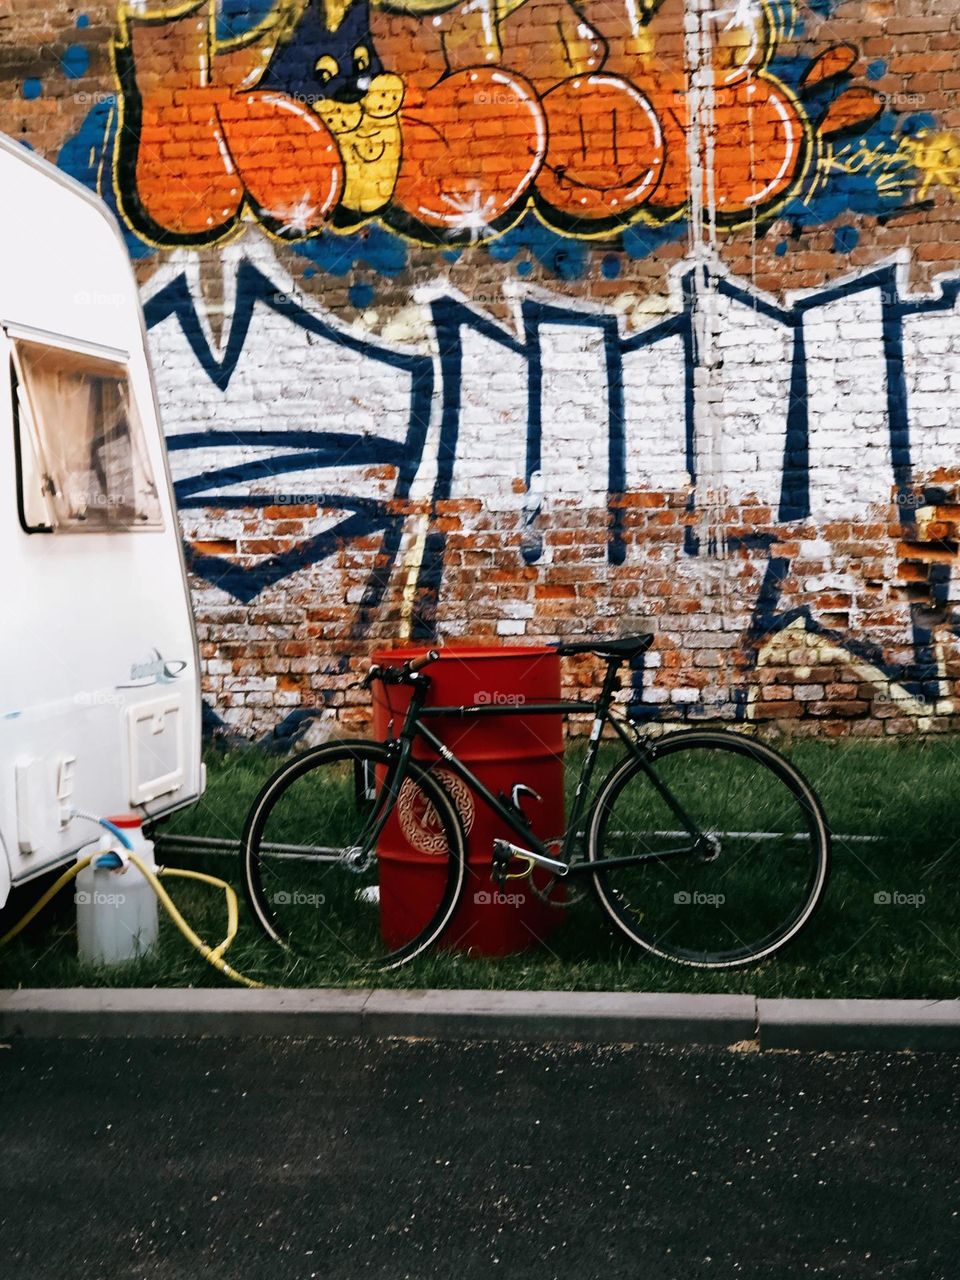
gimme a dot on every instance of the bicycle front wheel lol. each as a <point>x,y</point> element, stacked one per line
<point>338,872</point>
<point>741,890</point>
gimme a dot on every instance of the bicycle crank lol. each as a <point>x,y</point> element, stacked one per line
<point>555,891</point>
<point>504,852</point>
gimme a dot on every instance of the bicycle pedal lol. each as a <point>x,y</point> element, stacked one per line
<point>502,853</point>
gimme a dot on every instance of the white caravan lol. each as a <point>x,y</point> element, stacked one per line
<point>99,679</point>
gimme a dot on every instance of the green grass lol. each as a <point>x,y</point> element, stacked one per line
<point>905,795</point>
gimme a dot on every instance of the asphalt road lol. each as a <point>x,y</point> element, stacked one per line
<point>289,1160</point>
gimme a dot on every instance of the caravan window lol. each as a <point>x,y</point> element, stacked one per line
<point>83,460</point>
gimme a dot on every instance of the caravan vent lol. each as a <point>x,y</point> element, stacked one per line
<point>155,740</point>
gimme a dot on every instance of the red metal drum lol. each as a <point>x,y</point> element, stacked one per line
<point>502,751</point>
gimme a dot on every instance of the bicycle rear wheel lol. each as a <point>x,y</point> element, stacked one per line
<point>312,867</point>
<point>754,881</point>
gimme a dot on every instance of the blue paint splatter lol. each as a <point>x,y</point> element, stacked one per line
<point>375,247</point>
<point>237,17</point>
<point>790,69</point>
<point>451,255</point>
<point>361,295</point>
<point>781,249</point>
<point>560,255</point>
<point>87,156</point>
<point>639,241</point>
<point>309,273</point>
<point>76,61</point>
<point>877,70</point>
<point>845,239</point>
<point>83,22</point>
<point>869,176</point>
<point>32,89</point>
<point>525,267</point>
<point>918,123</point>
<point>569,258</point>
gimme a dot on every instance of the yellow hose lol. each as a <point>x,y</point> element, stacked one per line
<point>214,955</point>
<point>174,873</point>
<point>42,901</point>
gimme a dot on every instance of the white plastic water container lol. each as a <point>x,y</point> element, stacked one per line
<point>117,917</point>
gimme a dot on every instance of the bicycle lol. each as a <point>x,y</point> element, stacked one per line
<point>703,846</point>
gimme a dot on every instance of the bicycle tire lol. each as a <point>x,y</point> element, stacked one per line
<point>337,909</point>
<point>632,896</point>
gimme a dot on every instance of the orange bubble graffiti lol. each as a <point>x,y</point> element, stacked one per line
<point>582,112</point>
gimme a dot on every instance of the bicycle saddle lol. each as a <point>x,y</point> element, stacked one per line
<point>628,647</point>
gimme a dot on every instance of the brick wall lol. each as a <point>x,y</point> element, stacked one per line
<point>512,322</point>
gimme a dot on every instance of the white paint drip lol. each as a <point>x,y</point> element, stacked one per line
<point>708,390</point>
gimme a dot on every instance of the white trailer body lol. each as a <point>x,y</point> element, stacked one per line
<point>99,672</point>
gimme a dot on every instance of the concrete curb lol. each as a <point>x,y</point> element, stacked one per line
<point>148,1011</point>
<point>610,1017</point>
<point>859,1024</point>
<point>599,1017</point>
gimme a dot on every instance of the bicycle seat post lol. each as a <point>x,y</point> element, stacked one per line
<point>611,683</point>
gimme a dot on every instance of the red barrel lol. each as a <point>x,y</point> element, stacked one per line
<point>502,751</point>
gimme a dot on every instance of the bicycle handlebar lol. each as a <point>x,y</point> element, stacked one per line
<point>418,664</point>
<point>400,675</point>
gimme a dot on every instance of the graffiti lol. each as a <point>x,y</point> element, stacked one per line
<point>447,122</point>
<point>887,681</point>
<point>383,441</point>
<point>332,65</point>
<point>845,372</point>
<point>197,141</point>
<point>627,398</point>
<point>892,166</point>
<point>936,157</point>
<point>355,460</point>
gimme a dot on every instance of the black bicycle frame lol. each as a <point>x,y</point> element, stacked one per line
<point>512,816</point>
